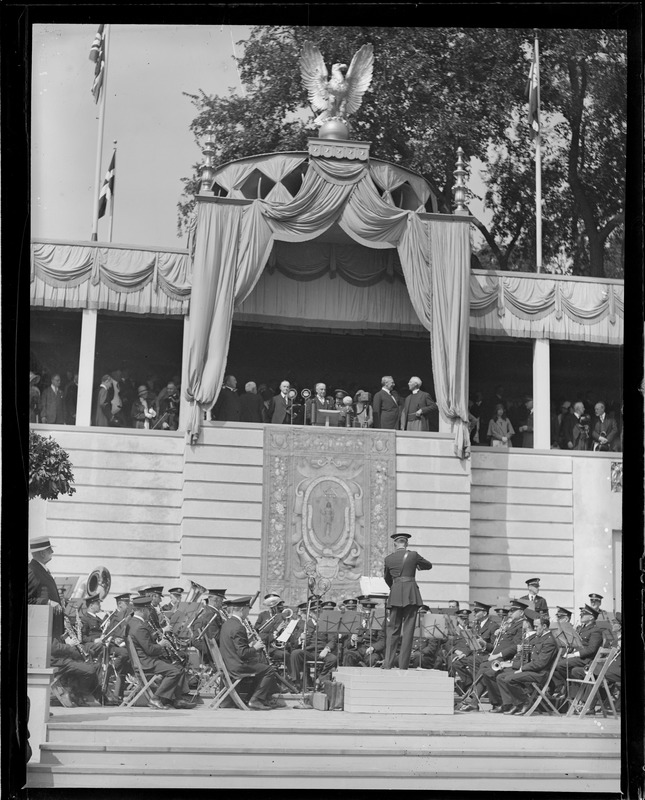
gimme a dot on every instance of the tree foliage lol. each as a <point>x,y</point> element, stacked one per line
<point>435,89</point>
<point>50,470</point>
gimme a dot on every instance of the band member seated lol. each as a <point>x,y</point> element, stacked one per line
<point>158,620</point>
<point>242,658</point>
<point>504,649</point>
<point>591,638</point>
<point>366,648</point>
<point>175,595</point>
<point>269,619</point>
<point>78,673</point>
<point>114,632</point>
<point>314,645</point>
<point>461,660</point>
<point>528,667</point>
<point>594,601</point>
<point>613,673</point>
<point>533,599</point>
<point>156,659</point>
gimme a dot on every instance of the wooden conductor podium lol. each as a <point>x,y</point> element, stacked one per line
<point>371,690</point>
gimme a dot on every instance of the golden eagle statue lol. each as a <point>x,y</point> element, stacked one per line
<point>339,96</point>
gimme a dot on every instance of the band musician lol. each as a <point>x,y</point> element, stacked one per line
<point>533,600</point>
<point>313,645</point>
<point>507,640</point>
<point>242,658</point>
<point>404,600</point>
<point>156,659</point>
<point>528,667</point>
<point>366,648</point>
<point>591,640</point>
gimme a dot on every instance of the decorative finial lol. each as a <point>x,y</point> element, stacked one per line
<point>339,96</point>
<point>207,169</point>
<point>459,190</point>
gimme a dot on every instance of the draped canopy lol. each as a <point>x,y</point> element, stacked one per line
<point>233,242</point>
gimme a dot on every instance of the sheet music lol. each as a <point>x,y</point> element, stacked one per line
<point>374,586</point>
<point>286,633</point>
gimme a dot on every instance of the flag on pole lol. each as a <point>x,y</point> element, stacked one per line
<point>107,190</point>
<point>532,91</point>
<point>97,55</point>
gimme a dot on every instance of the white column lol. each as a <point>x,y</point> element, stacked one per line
<point>86,367</point>
<point>183,405</point>
<point>541,394</point>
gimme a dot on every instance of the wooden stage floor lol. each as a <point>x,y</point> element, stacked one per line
<point>290,748</point>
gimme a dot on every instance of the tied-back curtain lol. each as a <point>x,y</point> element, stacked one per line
<point>233,243</point>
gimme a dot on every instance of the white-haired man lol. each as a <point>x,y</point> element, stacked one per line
<point>319,402</point>
<point>386,405</point>
<point>418,408</point>
<point>251,404</point>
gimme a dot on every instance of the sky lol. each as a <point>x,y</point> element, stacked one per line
<point>149,68</point>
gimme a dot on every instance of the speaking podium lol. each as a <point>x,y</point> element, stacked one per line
<point>329,417</point>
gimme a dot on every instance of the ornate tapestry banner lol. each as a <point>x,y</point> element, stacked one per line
<point>329,502</point>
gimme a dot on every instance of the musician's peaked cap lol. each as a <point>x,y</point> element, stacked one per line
<point>479,606</point>
<point>594,596</point>
<point>530,614</point>
<point>518,604</point>
<point>501,611</point>
<point>143,601</point>
<point>177,590</point>
<point>351,601</point>
<point>464,612</point>
<point>563,612</point>
<point>589,610</point>
<point>217,592</point>
<point>151,590</point>
<point>532,581</point>
<point>396,536</point>
<point>125,596</point>
<point>329,604</point>
<point>93,598</point>
<point>369,604</point>
<point>240,601</point>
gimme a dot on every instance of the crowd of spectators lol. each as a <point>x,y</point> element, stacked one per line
<point>581,424</point>
<point>586,423</point>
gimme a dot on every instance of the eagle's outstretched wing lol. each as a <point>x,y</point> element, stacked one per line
<point>359,76</point>
<point>314,76</point>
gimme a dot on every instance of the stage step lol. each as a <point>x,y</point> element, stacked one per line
<point>228,748</point>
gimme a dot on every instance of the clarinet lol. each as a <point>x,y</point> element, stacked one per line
<point>76,640</point>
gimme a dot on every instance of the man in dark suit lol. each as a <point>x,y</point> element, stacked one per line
<point>52,404</point>
<point>227,406</point>
<point>41,586</point>
<point>319,402</point>
<point>251,404</point>
<point>280,405</point>
<point>155,658</point>
<point>533,599</point>
<point>385,406</point>
<point>574,434</point>
<point>241,657</point>
<point>515,683</point>
<point>418,408</point>
<point>404,601</point>
<point>604,430</point>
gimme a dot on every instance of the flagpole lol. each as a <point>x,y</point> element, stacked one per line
<point>538,165</point>
<point>112,196</point>
<point>99,145</point>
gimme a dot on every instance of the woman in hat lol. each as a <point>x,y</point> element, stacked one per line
<point>34,397</point>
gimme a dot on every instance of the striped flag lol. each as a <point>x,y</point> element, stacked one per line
<point>532,91</point>
<point>107,190</point>
<point>97,55</point>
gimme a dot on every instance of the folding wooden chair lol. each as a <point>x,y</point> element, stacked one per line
<point>142,684</point>
<point>539,694</point>
<point>226,683</point>
<point>589,686</point>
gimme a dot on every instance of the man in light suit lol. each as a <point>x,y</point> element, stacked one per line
<point>404,601</point>
<point>417,408</point>
<point>280,405</point>
<point>385,406</point>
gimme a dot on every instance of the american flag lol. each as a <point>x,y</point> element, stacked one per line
<point>97,55</point>
<point>532,91</point>
<point>107,190</point>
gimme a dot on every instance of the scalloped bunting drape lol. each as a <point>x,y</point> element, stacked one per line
<point>233,243</point>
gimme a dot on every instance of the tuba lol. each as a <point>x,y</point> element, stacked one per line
<point>99,582</point>
<point>195,592</point>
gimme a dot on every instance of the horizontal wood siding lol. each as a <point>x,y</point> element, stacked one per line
<point>521,526</point>
<point>222,510</point>
<point>126,512</point>
<point>433,504</point>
